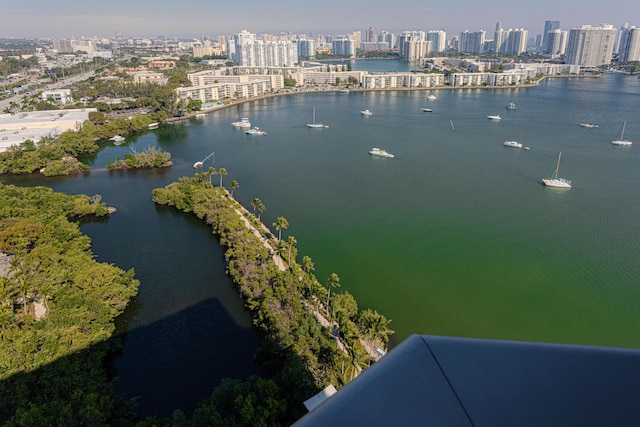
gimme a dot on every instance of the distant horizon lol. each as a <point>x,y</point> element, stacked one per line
<point>198,18</point>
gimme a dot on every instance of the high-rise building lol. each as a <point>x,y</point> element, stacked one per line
<point>589,46</point>
<point>510,42</point>
<point>344,46</point>
<point>412,45</point>
<point>439,39</point>
<point>307,48</point>
<point>629,49</point>
<point>389,38</point>
<point>370,35</point>
<point>259,53</point>
<point>548,26</point>
<point>471,42</point>
<point>556,42</point>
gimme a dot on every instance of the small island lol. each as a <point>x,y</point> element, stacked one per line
<point>149,158</point>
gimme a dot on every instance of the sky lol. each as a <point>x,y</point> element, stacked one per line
<point>197,18</point>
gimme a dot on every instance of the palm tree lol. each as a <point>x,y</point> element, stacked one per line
<point>255,204</point>
<point>211,171</point>
<point>291,244</point>
<point>307,264</point>
<point>280,224</point>
<point>222,172</point>
<point>234,185</point>
<point>332,282</point>
<point>261,208</point>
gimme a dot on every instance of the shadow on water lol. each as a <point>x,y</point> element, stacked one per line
<point>159,382</point>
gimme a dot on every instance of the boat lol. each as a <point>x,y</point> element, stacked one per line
<point>366,112</point>
<point>153,125</point>
<point>494,117</point>
<point>555,180</point>
<point>197,165</point>
<point>431,97</point>
<point>514,144</point>
<point>620,137</point>
<point>588,125</point>
<point>427,110</point>
<point>244,123</point>
<point>345,91</point>
<point>380,152</point>
<point>199,115</point>
<point>511,106</point>
<point>313,124</point>
<point>255,131</point>
<point>117,140</point>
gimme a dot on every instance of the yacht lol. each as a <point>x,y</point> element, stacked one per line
<point>431,97</point>
<point>255,131</point>
<point>511,106</point>
<point>554,180</point>
<point>366,112</point>
<point>380,152</point>
<point>153,125</point>
<point>514,144</point>
<point>427,110</point>
<point>244,123</point>
<point>588,125</point>
<point>494,117</point>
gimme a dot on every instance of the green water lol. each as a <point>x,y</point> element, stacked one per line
<point>453,236</point>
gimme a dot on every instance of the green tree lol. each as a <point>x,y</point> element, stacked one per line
<point>255,203</point>
<point>280,224</point>
<point>234,185</point>
<point>332,282</point>
<point>211,171</point>
<point>222,172</point>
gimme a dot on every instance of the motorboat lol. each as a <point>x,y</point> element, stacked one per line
<point>153,125</point>
<point>427,110</point>
<point>431,97</point>
<point>496,117</point>
<point>255,131</point>
<point>117,140</point>
<point>511,106</point>
<point>366,112</point>
<point>588,125</point>
<point>244,123</point>
<point>380,152</point>
<point>513,144</point>
<point>554,180</point>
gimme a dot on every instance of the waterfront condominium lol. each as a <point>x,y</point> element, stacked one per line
<point>472,42</point>
<point>251,52</point>
<point>589,46</point>
<point>412,45</point>
<point>629,49</point>
<point>439,39</point>
<point>548,27</point>
<point>556,42</point>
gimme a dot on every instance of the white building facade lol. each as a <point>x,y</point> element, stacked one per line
<point>589,46</point>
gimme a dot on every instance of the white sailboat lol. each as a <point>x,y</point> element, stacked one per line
<point>555,180</point>
<point>313,123</point>
<point>620,137</point>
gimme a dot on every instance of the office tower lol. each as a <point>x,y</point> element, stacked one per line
<point>589,46</point>
<point>629,49</point>
<point>471,42</point>
<point>616,48</point>
<point>498,26</point>
<point>549,26</point>
<point>439,39</point>
<point>389,38</point>
<point>412,45</point>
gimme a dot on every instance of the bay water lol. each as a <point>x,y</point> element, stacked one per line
<point>454,236</point>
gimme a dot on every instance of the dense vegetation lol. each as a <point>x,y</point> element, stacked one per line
<point>287,304</point>
<point>57,306</point>
<point>149,158</point>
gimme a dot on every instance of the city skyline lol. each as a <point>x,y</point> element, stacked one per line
<point>41,18</point>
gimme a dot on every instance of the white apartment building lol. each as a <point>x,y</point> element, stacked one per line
<point>589,46</point>
<point>401,80</point>
<point>439,40</point>
<point>344,46</point>
<point>556,42</point>
<point>629,48</point>
<point>472,42</point>
<point>249,51</point>
<point>412,45</point>
<point>510,42</point>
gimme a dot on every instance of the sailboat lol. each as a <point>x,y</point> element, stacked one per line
<point>555,180</point>
<point>620,137</point>
<point>313,123</point>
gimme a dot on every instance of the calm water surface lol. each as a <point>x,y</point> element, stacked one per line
<point>454,236</point>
